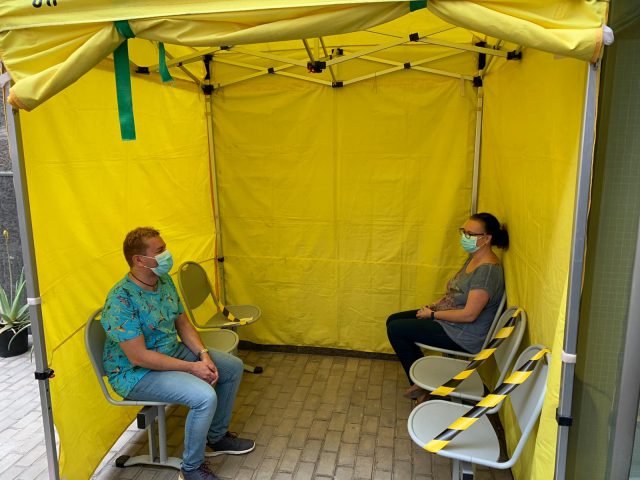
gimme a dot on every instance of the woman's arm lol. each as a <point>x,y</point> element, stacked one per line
<point>476,301</point>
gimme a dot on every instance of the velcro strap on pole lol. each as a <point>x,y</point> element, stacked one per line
<point>501,392</point>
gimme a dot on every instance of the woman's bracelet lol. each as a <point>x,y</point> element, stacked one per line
<point>433,315</point>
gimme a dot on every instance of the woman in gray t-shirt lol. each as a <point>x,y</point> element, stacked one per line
<point>461,319</point>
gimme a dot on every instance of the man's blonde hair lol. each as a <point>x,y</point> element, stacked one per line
<point>135,244</point>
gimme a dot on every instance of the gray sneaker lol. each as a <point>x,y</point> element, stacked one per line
<point>200,473</point>
<point>231,444</point>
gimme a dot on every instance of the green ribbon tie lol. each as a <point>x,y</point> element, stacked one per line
<point>123,82</point>
<point>162,65</point>
<point>417,5</point>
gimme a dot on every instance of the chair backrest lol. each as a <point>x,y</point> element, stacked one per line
<point>507,350</point>
<point>194,284</point>
<point>94,338</point>
<point>494,324</point>
<point>527,399</point>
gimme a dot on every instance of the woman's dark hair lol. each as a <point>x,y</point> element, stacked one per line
<point>499,234</point>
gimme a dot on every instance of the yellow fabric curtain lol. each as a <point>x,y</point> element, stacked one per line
<point>530,152</point>
<point>87,190</point>
<point>340,206</point>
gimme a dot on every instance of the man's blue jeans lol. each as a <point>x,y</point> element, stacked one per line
<point>209,408</point>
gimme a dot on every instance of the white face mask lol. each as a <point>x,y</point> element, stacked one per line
<point>165,262</point>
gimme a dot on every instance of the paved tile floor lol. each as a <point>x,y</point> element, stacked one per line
<point>312,416</point>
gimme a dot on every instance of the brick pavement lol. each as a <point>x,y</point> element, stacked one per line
<point>313,417</point>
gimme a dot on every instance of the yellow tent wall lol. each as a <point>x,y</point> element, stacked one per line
<point>87,189</point>
<point>531,138</point>
<point>339,206</point>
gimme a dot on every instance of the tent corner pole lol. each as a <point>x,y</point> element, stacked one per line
<point>576,266</point>
<point>476,151</point>
<point>214,192</point>
<point>14,135</point>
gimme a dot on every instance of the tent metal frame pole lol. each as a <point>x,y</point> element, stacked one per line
<point>214,191</point>
<point>475,183</point>
<point>576,269</point>
<point>14,134</point>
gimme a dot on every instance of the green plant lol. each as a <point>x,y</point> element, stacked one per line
<point>13,314</point>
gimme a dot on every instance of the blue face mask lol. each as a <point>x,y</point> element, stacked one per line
<point>165,262</point>
<point>470,245</point>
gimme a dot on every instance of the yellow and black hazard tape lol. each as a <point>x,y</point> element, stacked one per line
<point>508,328</point>
<point>230,316</point>
<point>500,393</point>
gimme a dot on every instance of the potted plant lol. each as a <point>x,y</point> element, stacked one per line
<point>14,321</point>
<point>14,315</point>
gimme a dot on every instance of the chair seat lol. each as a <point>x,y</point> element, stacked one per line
<point>446,351</point>
<point>238,311</point>
<point>223,339</point>
<point>431,372</point>
<point>477,444</point>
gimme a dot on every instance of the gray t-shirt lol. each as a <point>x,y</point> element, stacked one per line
<point>489,277</point>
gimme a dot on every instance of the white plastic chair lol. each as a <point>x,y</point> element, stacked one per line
<point>95,337</point>
<point>196,290</point>
<point>432,371</point>
<point>478,444</point>
<point>492,329</point>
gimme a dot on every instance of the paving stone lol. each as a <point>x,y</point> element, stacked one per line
<point>347,454</point>
<point>276,447</point>
<point>384,458</point>
<point>326,464</point>
<point>332,441</point>
<point>304,471</point>
<point>289,460</point>
<point>267,469</point>
<point>364,467</point>
<point>351,433</point>
<point>311,451</point>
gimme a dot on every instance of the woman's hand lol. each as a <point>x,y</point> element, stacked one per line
<point>424,312</point>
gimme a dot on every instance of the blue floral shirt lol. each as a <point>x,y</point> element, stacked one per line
<point>131,311</point>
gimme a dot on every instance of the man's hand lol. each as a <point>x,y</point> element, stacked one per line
<point>424,312</point>
<point>206,359</point>
<point>203,371</point>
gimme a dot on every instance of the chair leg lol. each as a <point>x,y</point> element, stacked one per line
<point>251,369</point>
<point>461,470</point>
<point>147,419</point>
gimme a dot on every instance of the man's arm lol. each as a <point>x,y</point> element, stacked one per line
<point>138,354</point>
<point>188,334</point>
<point>190,337</point>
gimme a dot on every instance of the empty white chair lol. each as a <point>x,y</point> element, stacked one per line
<point>476,443</point>
<point>430,372</point>
<point>200,300</point>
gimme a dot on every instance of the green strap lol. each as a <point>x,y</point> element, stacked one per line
<point>417,5</point>
<point>123,82</point>
<point>164,71</point>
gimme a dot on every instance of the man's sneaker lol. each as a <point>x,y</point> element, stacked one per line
<point>231,444</point>
<point>200,473</point>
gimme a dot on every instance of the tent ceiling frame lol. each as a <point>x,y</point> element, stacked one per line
<point>329,61</point>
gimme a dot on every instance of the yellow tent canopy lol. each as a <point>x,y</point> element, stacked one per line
<point>334,205</point>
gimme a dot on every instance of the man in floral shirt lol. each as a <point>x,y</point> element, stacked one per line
<point>144,359</point>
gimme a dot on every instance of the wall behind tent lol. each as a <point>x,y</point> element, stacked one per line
<point>87,189</point>
<point>531,133</point>
<point>340,206</point>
